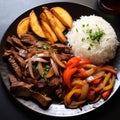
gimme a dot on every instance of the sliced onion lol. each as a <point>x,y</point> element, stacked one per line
<point>40,68</point>
<point>57,60</point>
<point>37,59</point>
<point>54,66</point>
<point>76,104</point>
<point>30,68</point>
<point>95,76</point>
<point>84,91</point>
<point>44,54</point>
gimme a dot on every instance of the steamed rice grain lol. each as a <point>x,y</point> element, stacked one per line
<point>93,38</point>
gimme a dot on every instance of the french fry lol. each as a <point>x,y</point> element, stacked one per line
<point>62,15</point>
<point>54,26</point>
<point>58,22</point>
<point>35,26</point>
<point>44,17</point>
<point>23,26</point>
<point>50,35</point>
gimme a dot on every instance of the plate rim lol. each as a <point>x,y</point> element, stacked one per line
<point>25,12</point>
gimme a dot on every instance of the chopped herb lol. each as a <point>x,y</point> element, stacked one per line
<point>45,94</point>
<point>50,53</point>
<point>34,67</point>
<point>107,39</point>
<point>83,39</point>
<point>89,48</point>
<point>94,36</point>
<point>76,30</point>
<point>44,47</point>
<point>87,25</point>
<point>46,69</point>
<point>83,25</point>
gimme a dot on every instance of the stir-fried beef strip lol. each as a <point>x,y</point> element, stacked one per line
<point>16,83</point>
<point>19,59</point>
<point>22,89</point>
<point>64,56</point>
<point>61,47</point>
<point>38,68</point>
<point>29,39</point>
<point>15,66</point>
<point>17,42</point>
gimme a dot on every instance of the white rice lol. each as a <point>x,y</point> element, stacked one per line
<point>82,44</point>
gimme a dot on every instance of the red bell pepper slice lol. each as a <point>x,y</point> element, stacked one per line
<point>67,74</point>
<point>73,62</point>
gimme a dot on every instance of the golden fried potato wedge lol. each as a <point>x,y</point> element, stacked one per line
<point>44,17</point>
<point>35,26</point>
<point>54,26</point>
<point>50,35</point>
<point>58,22</point>
<point>63,16</point>
<point>23,26</point>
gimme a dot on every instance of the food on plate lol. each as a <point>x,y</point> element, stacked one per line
<point>54,26</point>
<point>58,22</point>
<point>63,16</point>
<point>49,70</point>
<point>35,25</point>
<point>50,35</point>
<point>23,26</point>
<point>93,38</point>
<point>37,67</point>
<point>86,82</point>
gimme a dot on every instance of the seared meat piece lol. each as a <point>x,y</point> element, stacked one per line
<point>60,93</point>
<point>9,40</point>
<point>16,41</point>
<point>7,53</point>
<point>54,82</point>
<point>64,56</point>
<point>61,47</point>
<point>32,50</point>
<point>21,89</point>
<point>20,60</point>
<point>26,92</point>
<point>29,80</point>
<point>15,83</point>
<point>40,84</point>
<point>29,39</point>
<point>15,66</point>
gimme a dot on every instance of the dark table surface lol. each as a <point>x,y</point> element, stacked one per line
<point>9,11</point>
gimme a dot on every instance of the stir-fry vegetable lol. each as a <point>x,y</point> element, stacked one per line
<point>87,82</point>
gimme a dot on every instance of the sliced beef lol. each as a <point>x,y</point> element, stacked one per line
<point>55,81</point>
<point>15,83</point>
<point>15,66</point>
<point>21,89</point>
<point>29,39</point>
<point>16,41</point>
<point>19,59</point>
<point>59,92</point>
<point>7,53</point>
<point>64,56</point>
<point>61,47</point>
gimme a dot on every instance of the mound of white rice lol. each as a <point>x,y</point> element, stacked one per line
<point>93,38</point>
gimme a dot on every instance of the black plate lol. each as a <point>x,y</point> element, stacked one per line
<point>76,10</point>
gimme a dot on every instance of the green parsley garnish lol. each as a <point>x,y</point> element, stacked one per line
<point>76,30</point>
<point>44,47</point>
<point>94,36</point>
